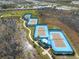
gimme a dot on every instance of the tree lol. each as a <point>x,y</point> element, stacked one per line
<point>5,6</point>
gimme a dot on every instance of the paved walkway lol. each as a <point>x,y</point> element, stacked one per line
<point>45,51</point>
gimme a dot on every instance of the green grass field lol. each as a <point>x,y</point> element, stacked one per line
<point>21,13</point>
<point>18,13</point>
<point>35,13</point>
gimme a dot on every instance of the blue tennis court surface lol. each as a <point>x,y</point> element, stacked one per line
<point>45,41</point>
<point>56,39</point>
<point>30,20</point>
<point>41,31</point>
<point>27,16</point>
<point>33,21</point>
<point>59,42</point>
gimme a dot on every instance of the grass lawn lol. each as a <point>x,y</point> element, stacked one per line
<point>21,13</point>
<point>52,24</point>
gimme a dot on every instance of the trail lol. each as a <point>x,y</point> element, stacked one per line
<point>45,51</point>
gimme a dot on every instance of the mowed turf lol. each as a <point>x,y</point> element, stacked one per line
<point>19,13</point>
<point>55,23</point>
<point>52,23</point>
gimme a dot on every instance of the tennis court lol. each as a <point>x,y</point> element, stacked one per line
<point>41,31</point>
<point>32,21</point>
<point>59,42</point>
